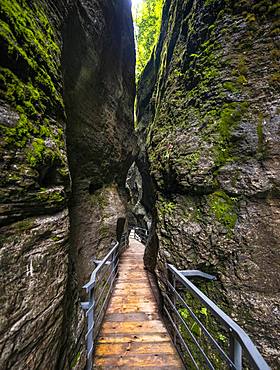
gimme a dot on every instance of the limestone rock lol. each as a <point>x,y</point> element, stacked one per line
<point>207,108</point>
<point>66,106</point>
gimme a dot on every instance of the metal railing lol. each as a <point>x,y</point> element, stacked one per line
<point>99,289</point>
<point>138,233</point>
<point>205,336</point>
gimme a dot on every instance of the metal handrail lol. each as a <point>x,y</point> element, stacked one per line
<point>238,339</point>
<point>138,233</point>
<point>99,290</point>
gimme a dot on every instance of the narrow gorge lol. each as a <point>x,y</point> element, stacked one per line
<point>191,154</point>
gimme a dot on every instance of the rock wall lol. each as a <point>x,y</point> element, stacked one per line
<point>208,109</point>
<point>66,75</point>
<point>98,63</point>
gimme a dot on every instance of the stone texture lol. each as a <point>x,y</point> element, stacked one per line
<point>67,69</point>
<point>208,109</point>
<point>99,85</point>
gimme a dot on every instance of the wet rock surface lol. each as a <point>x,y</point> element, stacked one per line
<point>208,109</point>
<point>66,106</point>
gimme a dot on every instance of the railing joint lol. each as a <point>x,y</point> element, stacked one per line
<point>85,305</point>
<point>197,273</point>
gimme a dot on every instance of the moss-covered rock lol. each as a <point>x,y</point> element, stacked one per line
<point>207,110</point>
<point>57,80</point>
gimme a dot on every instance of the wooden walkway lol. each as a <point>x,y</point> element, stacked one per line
<point>132,335</point>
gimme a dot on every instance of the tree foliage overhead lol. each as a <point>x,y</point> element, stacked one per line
<point>147,19</point>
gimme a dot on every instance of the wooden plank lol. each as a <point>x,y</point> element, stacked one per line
<point>131,300</point>
<point>141,307</point>
<point>133,292</point>
<point>131,316</point>
<point>154,326</point>
<point>132,335</point>
<point>176,367</point>
<point>139,361</point>
<point>121,349</point>
<point>121,338</point>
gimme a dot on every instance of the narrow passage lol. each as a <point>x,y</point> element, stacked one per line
<point>132,335</point>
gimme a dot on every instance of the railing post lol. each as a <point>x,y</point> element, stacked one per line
<point>235,352</point>
<point>114,265</point>
<point>175,303</point>
<point>90,326</point>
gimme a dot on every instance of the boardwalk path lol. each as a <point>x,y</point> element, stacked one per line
<point>132,335</point>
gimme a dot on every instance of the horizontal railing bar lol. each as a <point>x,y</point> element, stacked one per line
<point>106,298</point>
<point>198,273</point>
<point>215,344</point>
<point>103,272</point>
<point>181,338</point>
<point>253,354</point>
<point>210,366</point>
<point>89,285</point>
<point>106,283</point>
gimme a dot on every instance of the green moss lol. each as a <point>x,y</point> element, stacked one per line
<point>104,231</point>
<point>231,86</point>
<point>165,207</point>
<point>100,199</point>
<point>28,34</point>
<point>31,85</point>
<point>250,17</point>
<point>274,79</point>
<point>230,116</point>
<point>242,66</point>
<point>23,225</point>
<point>55,238</point>
<point>242,80</point>
<point>224,208</point>
<point>50,196</point>
<point>75,360</point>
<point>193,159</point>
<point>210,2</point>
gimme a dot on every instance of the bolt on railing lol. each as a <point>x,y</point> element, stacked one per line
<point>99,290</point>
<point>217,347</point>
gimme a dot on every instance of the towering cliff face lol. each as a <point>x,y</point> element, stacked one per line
<point>208,107</point>
<point>67,75</point>
<point>98,61</point>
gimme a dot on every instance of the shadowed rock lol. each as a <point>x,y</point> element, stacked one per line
<point>66,75</point>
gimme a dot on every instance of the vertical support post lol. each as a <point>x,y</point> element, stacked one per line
<point>90,327</point>
<point>174,302</point>
<point>235,352</point>
<point>113,264</point>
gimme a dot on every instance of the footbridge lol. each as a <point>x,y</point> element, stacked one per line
<point>127,329</point>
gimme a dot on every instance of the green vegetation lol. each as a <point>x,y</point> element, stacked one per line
<point>75,360</point>
<point>30,82</point>
<point>165,207</point>
<point>224,208</point>
<point>51,196</point>
<point>211,289</point>
<point>147,18</point>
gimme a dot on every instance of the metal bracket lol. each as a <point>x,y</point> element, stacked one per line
<point>192,273</point>
<point>97,262</point>
<point>85,305</point>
